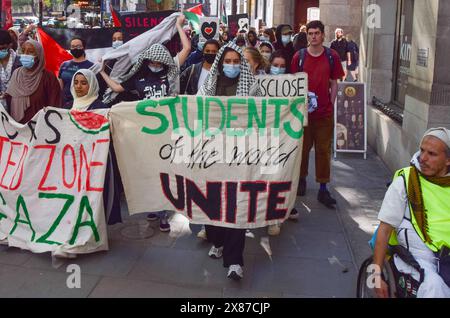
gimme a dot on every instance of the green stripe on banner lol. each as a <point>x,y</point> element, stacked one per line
<point>194,20</point>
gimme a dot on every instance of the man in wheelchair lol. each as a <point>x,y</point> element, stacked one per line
<point>415,216</point>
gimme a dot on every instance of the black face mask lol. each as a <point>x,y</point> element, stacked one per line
<point>209,58</point>
<point>77,53</point>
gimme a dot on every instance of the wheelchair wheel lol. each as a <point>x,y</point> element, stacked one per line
<point>364,290</point>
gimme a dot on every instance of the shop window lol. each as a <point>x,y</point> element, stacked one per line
<point>403,51</point>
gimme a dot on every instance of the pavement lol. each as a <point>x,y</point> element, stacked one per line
<point>317,256</point>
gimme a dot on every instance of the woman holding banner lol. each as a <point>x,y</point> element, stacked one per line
<point>84,89</point>
<point>29,86</point>
<point>156,74</point>
<point>230,75</point>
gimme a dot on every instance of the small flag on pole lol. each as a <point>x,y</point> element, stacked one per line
<point>193,14</point>
<point>115,16</point>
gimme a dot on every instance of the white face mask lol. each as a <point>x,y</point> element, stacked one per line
<point>116,44</point>
<point>266,55</point>
<point>155,69</point>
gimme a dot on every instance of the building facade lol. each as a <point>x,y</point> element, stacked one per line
<point>403,49</point>
<point>404,64</point>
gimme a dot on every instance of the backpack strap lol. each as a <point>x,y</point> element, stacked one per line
<point>330,59</point>
<point>302,55</point>
<point>301,61</point>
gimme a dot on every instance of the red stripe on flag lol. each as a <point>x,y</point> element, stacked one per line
<point>54,54</point>
<point>198,10</point>
<point>7,14</point>
<point>115,16</point>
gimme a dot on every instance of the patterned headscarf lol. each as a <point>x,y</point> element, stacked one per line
<point>247,85</point>
<point>158,53</point>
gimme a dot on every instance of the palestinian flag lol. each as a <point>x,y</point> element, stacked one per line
<point>198,9</point>
<point>56,43</point>
<point>193,14</point>
<point>223,13</point>
<point>115,16</point>
<point>54,54</point>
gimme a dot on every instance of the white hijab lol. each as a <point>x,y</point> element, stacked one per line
<point>83,103</point>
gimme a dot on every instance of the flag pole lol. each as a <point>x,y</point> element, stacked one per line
<point>41,5</point>
<point>2,15</point>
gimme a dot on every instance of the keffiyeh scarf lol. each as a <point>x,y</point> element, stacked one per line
<point>247,85</point>
<point>158,53</point>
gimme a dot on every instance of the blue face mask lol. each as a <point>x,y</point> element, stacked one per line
<point>116,44</point>
<point>231,70</point>
<point>285,39</point>
<point>27,60</point>
<point>277,70</point>
<point>4,53</point>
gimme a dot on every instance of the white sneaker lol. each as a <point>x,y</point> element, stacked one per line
<point>215,252</point>
<point>235,272</point>
<point>202,234</point>
<point>274,229</point>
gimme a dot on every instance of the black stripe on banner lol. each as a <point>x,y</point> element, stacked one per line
<point>95,38</point>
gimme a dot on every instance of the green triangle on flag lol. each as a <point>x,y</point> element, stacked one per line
<point>194,20</point>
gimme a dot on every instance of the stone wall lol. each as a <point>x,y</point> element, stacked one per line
<point>439,114</point>
<point>345,14</point>
<point>283,12</point>
<point>427,100</point>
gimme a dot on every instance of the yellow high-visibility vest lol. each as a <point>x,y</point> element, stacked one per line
<point>436,200</point>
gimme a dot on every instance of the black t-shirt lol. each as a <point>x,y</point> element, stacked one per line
<point>341,48</point>
<point>148,85</point>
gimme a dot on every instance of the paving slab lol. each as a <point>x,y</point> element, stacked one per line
<point>300,276</point>
<point>16,281</point>
<point>126,288</point>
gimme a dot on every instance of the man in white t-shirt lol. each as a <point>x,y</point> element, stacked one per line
<point>407,211</point>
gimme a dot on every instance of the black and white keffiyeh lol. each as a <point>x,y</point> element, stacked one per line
<point>247,85</point>
<point>158,53</point>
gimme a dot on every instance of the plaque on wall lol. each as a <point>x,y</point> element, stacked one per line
<point>422,57</point>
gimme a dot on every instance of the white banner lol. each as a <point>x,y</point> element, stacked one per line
<point>286,85</point>
<point>228,161</point>
<point>51,181</point>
